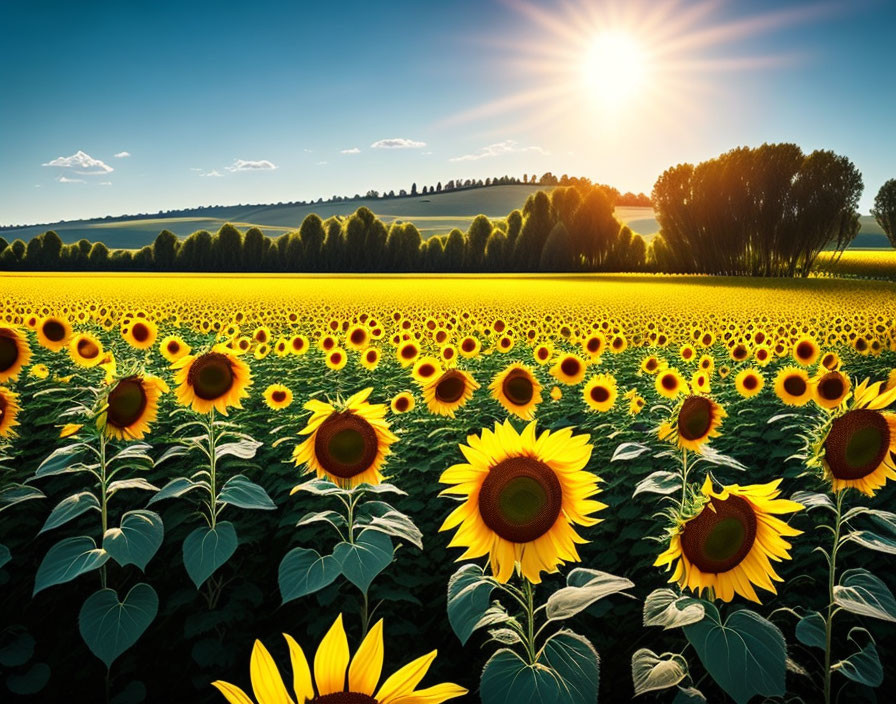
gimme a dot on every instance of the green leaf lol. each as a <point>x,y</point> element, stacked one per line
<point>137,483</point>
<point>689,695</point>
<point>68,559</point>
<point>244,493</point>
<point>860,592</point>
<point>17,648</point>
<point>651,672</point>
<point>320,487</point>
<point>110,627</point>
<point>174,488</point>
<point>566,672</point>
<point>364,559</point>
<point>586,586</point>
<point>206,549</point>
<point>628,451</point>
<point>872,541</point>
<point>30,682</point>
<point>137,540</point>
<point>17,493</point>
<point>243,449</point>
<point>398,525</point>
<point>864,666</point>
<point>659,483</point>
<point>304,572</point>
<point>810,630</point>
<point>469,597</point>
<point>745,655</point>
<point>60,461</point>
<point>384,488</point>
<point>665,608</point>
<point>811,500</point>
<point>334,519</point>
<point>70,508</point>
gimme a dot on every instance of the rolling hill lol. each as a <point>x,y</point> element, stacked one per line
<point>433,214</point>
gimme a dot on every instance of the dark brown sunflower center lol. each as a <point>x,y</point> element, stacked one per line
<point>54,330</point>
<point>140,332</point>
<point>695,418</point>
<point>88,349</point>
<point>173,347</point>
<point>358,336</point>
<point>740,352</point>
<point>750,382</point>
<point>344,698</point>
<point>593,345</point>
<point>600,394</point>
<point>450,388</point>
<point>345,444</point>
<point>520,499</point>
<point>127,401</point>
<point>650,365</point>
<point>9,352</point>
<point>468,345</point>
<point>278,396</point>
<point>831,387</point>
<point>669,382</point>
<point>804,350</point>
<point>408,351</point>
<point>719,540</point>
<point>518,387</point>
<point>795,385</point>
<point>426,370</point>
<point>857,443</point>
<point>570,366</point>
<point>211,376</point>
<point>298,343</point>
<point>543,353</point>
<point>401,403</point>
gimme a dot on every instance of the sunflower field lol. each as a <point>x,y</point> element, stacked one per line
<point>400,490</point>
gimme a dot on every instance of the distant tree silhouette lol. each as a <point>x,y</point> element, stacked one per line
<point>164,250</point>
<point>557,254</point>
<point>884,210</point>
<point>453,257</point>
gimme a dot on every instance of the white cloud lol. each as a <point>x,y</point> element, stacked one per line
<point>82,164</point>
<point>244,165</point>
<point>65,179</point>
<point>213,172</point>
<point>397,143</point>
<point>353,150</point>
<point>122,155</point>
<point>508,146</point>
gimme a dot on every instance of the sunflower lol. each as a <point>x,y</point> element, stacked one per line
<point>688,354</point>
<point>521,497</point>
<point>331,664</point>
<point>792,386</point>
<point>543,353</point>
<point>857,448</point>
<point>449,391</point>
<point>85,350</point>
<point>426,369</point>
<point>556,393</point>
<point>407,352</point>
<point>700,382</point>
<point>806,351</point>
<point>594,345</point>
<point>469,347</point>
<point>277,397</point>
<point>830,361</point>
<point>727,543</point>
<point>53,332</point>
<point>140,334</point>
<point>636,405</point>
<point>762,355</point>
<point>707,363</point>
<point>347,442</point>
<point>402,402</point>
<point>600,392</point>
<point>15,353</point>
<point>131,405</point>
<point>39,371</point>
<point>569,369</point>
<point>831,389</point>
<point>370,358</point>
<point>651,364</point>
<point>214,380</point>
<point>298,344</point>
<point>9,408</point>
<point>173,348</point>
<point>670,383</point>
<point>517,390</point>
<point>336,358</point>
<point>694,422</point>
<point>749,382</point>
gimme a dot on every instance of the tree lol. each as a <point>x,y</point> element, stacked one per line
<point>593,229</point>
<point>253,249</point>
<point>413,189</point>
<point>453,259</point>
<point>477,236</point>
<point>51,249</point>
<point>433,253</point>
<point>884,210</point>
<point>557,253</point>
<point>99,256</point>
<point>496,252</point>
<point>538,220</point>
<point>164,250</point>
<point>227,249</point>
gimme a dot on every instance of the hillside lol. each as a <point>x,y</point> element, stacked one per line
<point>432,214</point>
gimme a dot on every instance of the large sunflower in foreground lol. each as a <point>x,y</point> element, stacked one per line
<point>728,542</point>
<point>53,332</point>
<point>856,449</point>
<point>9,408</point>
<point>15,353</point>
<point>131,405</point>
<point>331,665</point>
<point>449,391</point>
<point>517,390</point>
<point>214,380</point>
<point>694,422</point>
<point>347,442</point>
<point>522,495</point>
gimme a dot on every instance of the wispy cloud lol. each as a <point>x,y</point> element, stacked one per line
<point>81,163</point>
<point>508,146</point>
<point>353,150</point>
<point>122,155</point>
<point>397,143</point>
<point>105,183</point>
<point>214,172</point>
<point>244,165</point>
<point>66,179</point>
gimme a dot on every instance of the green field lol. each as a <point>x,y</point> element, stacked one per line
<point>432,214</point>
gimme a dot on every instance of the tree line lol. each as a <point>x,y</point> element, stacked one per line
<point>570,228</point>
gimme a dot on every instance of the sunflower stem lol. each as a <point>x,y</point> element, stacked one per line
<point>104,500</point>
<point>530,620</point>
<point>213,493</point>
<point>829,620</point>
<point>684,480</point>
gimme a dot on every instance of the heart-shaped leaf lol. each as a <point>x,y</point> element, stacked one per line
<point>174,488</point>
<point>304,572</point>
<point>810,630</point>
<point>864,666</point>
<point>665,608</point>
<point>110,627</point>
<point>651,672</point>
<point>137,540</point>
<point>68,559</point>
<point>586,586</point>
<point>206,549</point>
<point>244,493</point>
<point>469,596</point>
<point>864,594</point>
<point>70,508</point>
<point>364,559</point>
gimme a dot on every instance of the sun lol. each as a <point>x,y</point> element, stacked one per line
<point>614,67</point>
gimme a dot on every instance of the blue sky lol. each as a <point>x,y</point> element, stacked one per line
<point>111,107</point>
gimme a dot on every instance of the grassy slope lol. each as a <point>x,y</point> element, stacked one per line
<point>433,214</point>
